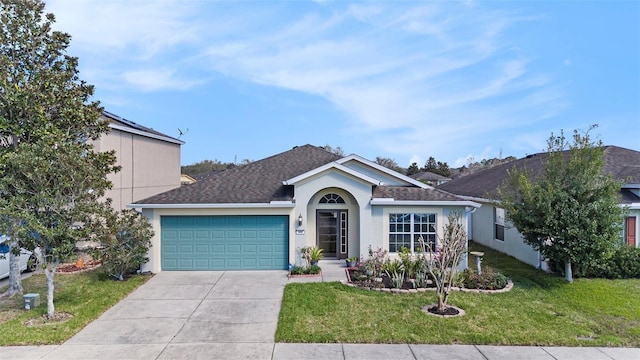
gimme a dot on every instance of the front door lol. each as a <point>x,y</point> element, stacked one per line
<point>331,230</point>
<point>631,231</point>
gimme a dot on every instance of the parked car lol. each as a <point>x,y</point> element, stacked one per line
<point>27,258</point>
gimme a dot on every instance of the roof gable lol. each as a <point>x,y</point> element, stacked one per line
<point>377,171</point>
<point>332,165</point>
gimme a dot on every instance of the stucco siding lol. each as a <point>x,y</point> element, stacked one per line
<point>149,166</point>
<point>374,173</point>
<point>513,244</point>
<point>354,191</point>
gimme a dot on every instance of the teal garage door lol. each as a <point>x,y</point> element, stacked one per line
<point>224,242</point>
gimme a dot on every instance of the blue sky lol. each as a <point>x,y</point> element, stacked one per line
<point>403,80</point>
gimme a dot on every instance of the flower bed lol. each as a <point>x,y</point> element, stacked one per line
<point>357,277</point>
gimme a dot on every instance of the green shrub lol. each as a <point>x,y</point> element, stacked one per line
<point>488,280</point>
<point>410,265</point>
<point>309,270</point>
<point>623,264</point>
<point>125,243</point>
<point>393,267</point>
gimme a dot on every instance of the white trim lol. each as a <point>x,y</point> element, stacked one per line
<point>146,134</point>
<point>272,205</point>
<point>385,170</point>
<point>332,165</point>
<point>391,201</point>
<point>630,186</point>
<point>632,206</point>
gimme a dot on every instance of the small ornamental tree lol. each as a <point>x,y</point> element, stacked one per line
<point>445,257</point>
<point>570,213</point>
<point>125,241</point>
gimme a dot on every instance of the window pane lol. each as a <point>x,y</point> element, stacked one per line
<point>499,232</point>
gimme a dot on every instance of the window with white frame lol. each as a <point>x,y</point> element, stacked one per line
<point>405,230</point>
<point>498,223</point>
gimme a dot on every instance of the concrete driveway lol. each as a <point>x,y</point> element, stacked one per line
<point>187,315</point>
<point>234,315</point>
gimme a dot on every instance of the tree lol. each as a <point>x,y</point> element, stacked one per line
<point>204,166</point>
<point>571,212</point>
<point>430,165</point>
<point>389,164</point>
<point>443,169</point>
<point>445,257</point>
<point>336,150</point>
<point>437,167</point>
<point>413,169</point>
<point>52,177</point>
<point>125,242</point>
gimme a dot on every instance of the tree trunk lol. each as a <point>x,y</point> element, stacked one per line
<point>50,272</point>
<point>15,284</point>
<point>442,305</point>
<point>568,273</point>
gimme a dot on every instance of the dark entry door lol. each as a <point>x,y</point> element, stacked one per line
<point>631,231</point>
<point>332,232</point>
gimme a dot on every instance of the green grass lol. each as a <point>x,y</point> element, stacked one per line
<point>84,296</point>
<point>541,310</point>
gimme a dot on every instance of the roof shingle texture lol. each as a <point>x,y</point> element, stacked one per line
<point>404,193</point>
<point>622,164</point>
<point>256,182</point>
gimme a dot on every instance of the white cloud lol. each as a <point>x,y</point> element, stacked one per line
<point>413,78</point>
<point>158,79</point>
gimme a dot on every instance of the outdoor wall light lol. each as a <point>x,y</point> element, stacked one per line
<point>300,220</point>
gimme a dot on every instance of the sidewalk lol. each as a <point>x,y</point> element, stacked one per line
<point>280,351</point>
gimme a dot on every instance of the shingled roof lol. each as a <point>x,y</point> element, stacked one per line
<point>622,164</point>
<point>256,182</point>
<point>261,182</point>
<point>405,193</point>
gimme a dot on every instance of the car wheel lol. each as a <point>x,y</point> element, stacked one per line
<point>32,263</point>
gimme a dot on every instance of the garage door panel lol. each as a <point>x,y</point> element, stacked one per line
<point>217,249</point>
<point>224,242</point>
<point>250,249</point>
<point>202,248</point>
<point>250,234</point>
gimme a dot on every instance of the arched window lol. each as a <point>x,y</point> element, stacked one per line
<point>332,199</point>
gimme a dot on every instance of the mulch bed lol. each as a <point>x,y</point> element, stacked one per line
<point>72,268</point>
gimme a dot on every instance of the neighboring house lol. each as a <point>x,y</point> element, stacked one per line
<point>150,160</point>
<point>489,227</point>
<point>430,178</point>
<point>259,215</point>
<point>186,179</point>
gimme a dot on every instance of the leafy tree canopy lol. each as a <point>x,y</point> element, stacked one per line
<point>437,167</point>
<point>413,169</point>
<point>570,212</point>
<point>52,176</point>
<point>389,164</point>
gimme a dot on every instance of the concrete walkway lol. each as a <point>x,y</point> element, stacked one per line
<point>234,315</point>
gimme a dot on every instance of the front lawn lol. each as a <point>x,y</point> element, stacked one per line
<point>82,295</point>
<point>541,310</point>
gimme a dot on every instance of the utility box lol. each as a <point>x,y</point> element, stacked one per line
<point>31,301</point>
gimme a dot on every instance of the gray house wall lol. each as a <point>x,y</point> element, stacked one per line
<point>150,165</point>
